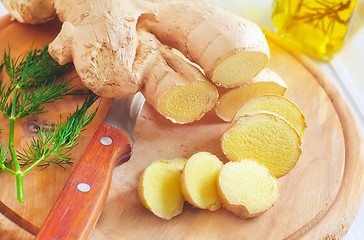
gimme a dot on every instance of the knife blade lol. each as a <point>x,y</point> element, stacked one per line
<point>79,205</point>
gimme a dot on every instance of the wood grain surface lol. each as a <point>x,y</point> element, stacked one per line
<point>319,197</point>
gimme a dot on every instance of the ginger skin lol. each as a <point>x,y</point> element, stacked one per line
<point>118,46</point>
<point>31,11</point>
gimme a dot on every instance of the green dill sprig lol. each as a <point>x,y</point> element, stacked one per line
<point>33,83</point>
<point>37,66</point>
<point>1,69</point>
<point>59,140</point>
<point>3,155</point>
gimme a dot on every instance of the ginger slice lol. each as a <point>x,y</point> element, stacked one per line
<point>264,137</point>
<point>279,105</point>
<point>239,68</point>
<point>199,181</point>
<point>266,82</point>
<point>159,188</point>
<point>185,104</point>
<point>247,188</point>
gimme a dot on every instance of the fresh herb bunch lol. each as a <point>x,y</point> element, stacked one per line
<point>33,83</point>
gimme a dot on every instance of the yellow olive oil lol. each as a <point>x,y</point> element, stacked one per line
<point>318,27</point>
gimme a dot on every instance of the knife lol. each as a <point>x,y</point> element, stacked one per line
<point>79,205</point>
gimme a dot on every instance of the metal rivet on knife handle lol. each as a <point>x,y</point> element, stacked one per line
<point>106,141</point>
<point>83,187</point>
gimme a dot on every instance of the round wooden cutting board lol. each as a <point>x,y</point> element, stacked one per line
<point>319,197</point>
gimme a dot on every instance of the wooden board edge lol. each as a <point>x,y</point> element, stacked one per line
<point>5,21</point>
<point>326,227</point>
<point>18,220</point>
<point>348,122</point>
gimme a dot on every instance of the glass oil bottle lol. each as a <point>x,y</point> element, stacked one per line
<point>317,27</point>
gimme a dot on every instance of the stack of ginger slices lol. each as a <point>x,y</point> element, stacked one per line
<point>262,143</point>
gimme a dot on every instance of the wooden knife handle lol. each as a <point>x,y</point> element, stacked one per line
<point>80,202</point>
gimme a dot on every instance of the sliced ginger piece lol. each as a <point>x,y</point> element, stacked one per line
<point>264,137</point>
<point>159,188</point>
<point>199,179</point>
<point>185,104</point>
<point>239,68</point>
<point>279,105</point>
<point>247,188</point>
<point>266,82</point>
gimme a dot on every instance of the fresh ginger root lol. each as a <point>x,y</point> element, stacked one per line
<point>31,11</point>
<point>114,54</point>
<point>279,105</point>
<point>159,188</point>
<point>199,181</point>
<point>265,137</point>
<point>229,49</point>
<point>247,188</point>
<point>266,82</point>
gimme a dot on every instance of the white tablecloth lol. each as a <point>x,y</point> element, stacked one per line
<point>346,71</point>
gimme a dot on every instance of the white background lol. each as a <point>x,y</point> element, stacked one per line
<point>346,71</point>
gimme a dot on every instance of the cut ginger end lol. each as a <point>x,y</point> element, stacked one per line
<point>276,104</point>
<point>266,82</point>
<point>159,188</point>
<point>199,181</point>
<point>264,137</point>
<point>239,68</point>
<point>247,188</point>
<point>188,103</point>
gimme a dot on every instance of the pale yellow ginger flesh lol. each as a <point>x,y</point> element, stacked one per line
<point>239,68</point>
<point>185,104</point>
<point>247,188</point>
<point>266,82</point>
<point>159,188</point>
<point>266,138</point>
<point>279,105</point>
<point>199,181</point>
